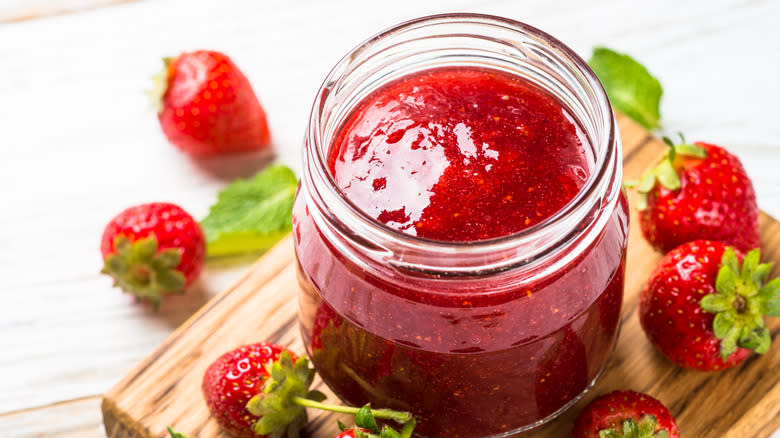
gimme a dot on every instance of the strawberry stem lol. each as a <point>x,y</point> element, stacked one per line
<point>408,428</point>
<point>385,414</point>
<point>665,173</point>
<point>281,407</point>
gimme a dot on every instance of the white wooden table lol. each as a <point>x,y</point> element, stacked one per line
<point>80,142</point>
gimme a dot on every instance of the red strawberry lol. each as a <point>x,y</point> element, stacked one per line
<point>351,433</point>
<point>263,390</point>
<point>698,191</point>
<point>233,379</point>
<point>152,250</point>
<point>207,105</point>
<point>705,312</point>
<point>623,414</point>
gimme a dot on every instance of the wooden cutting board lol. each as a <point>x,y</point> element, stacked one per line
<point>164,389</point>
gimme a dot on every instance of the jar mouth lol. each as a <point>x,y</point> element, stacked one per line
<point>538,47</point>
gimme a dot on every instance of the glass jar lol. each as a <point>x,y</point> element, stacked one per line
<point>480,338</point>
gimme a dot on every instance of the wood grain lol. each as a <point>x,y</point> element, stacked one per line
<point>72,88</point>
<point>165,388</point>
<point>78,418</point>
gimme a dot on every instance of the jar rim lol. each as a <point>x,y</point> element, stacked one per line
<point>385,233</point>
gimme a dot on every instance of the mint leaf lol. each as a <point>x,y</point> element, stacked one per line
<point>630,87</point>
<point>251,215</point>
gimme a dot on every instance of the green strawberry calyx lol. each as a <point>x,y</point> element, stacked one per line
<point>286,395</point>
<point>139,268</point>
<point>366,427</point>
<point>646,428</point>
<point>160,85</point>
<point>742,299</point>
<point>665,172</point>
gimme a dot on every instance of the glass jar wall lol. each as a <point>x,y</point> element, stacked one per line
<point>478,335</point>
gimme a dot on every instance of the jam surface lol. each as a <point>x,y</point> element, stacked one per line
<point>459,155</point>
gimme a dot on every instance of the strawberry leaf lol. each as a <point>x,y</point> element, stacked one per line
<point>715,303</point>
<point>630,87</point>
<point>630,429</point>
<point>770,295</point>
<point>175,434</point>
<point>741,302</point>
<point>665,171</point>
<point>360,433</point>
<point>728,344</point>
<point>726,282</point>
<point>757,339</point>
<point>365,419</point>
<point>723,324</point>
<point>646,183</point>
<point>281,407</point>
<point>771,290</point>
<point>389,432</point>
<point>761,273</point>
<point>408,428</point>
<point>667,175</point>
<point>647,425</point>
<point>276,406</point>
<point>749,264</point>
<point>772,307</point>
<point>251,215</point>
<point>729,259</point>
<point>690,150</point>
<point>137,267</point>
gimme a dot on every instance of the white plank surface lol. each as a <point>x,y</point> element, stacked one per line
<point>20,10</point>
<point>72,419</point>
<point>80,142</point>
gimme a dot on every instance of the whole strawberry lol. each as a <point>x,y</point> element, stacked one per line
<point>698,191</point>
<point>263,390</point>
<point>625,414</point>
<point>704,311</point>
<point>208,107</point>
<point>233,379</point>
<point>153,249</point>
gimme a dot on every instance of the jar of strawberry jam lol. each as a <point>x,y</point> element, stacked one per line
<point>460,227</point>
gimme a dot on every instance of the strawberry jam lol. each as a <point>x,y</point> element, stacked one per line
<point>436,165</point>
<point>459,155</point>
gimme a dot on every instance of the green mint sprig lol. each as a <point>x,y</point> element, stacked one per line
<point>251,215</point>
<point>630,86</point>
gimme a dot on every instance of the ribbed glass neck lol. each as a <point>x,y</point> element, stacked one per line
<point>450,41</point>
